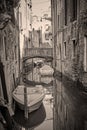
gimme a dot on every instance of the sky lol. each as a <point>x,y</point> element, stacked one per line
<point>40,7</point>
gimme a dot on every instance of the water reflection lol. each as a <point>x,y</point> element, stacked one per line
<point>35,118</point>
<point>70,112</point>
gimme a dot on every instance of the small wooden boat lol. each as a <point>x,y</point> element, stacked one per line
<point>35,96</point>
<point>46,70</point>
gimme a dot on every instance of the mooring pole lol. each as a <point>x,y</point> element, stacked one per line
<point>25,101</point>
<point>32,68</point>
<point>25,93</point>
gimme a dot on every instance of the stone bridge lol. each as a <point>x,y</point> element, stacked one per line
<point>38,53</point>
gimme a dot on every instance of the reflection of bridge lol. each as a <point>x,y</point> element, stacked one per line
<point>38,52</point>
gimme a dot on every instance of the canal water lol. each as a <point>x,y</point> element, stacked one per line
<point>64,106</point>
<point>41,119</point>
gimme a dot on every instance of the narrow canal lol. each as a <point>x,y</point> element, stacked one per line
<point>41,119</point>
<point>64,106</point>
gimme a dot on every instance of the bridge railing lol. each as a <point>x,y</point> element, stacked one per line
<point>44,52</point>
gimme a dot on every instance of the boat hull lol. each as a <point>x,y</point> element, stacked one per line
<point>31,108</point>
<point>35,97</point>
<point>46,70</point>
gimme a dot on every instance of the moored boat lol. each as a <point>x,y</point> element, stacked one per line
<point>46,70</point>
<point>35,96</point>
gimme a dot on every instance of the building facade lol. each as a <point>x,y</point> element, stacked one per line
<point>9,48</point>
<point>36,38</point>
<point>25,25</point>
<point>69,38</point>
<point>69,29</point>
<point>44,25</point>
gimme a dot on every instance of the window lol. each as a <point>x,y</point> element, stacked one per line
<point>46,36</point>
<point>85,53</point>
<point>60,55</point>
<point>5,45</point>
<point>17,15</point>
<point>74,10</point>
<point>15,52</point>
<point>64,49</point>
<point>1,45</point>
<point>20,15</point>
<point>58,20</point>
<point>74,48</point>
<point>65,12</point>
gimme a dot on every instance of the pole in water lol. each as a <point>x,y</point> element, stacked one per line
<point>25,102</point>
<point>32,68</point>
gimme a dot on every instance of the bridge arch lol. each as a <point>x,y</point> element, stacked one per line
<point>28,57</point>
<point>38,53</point>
